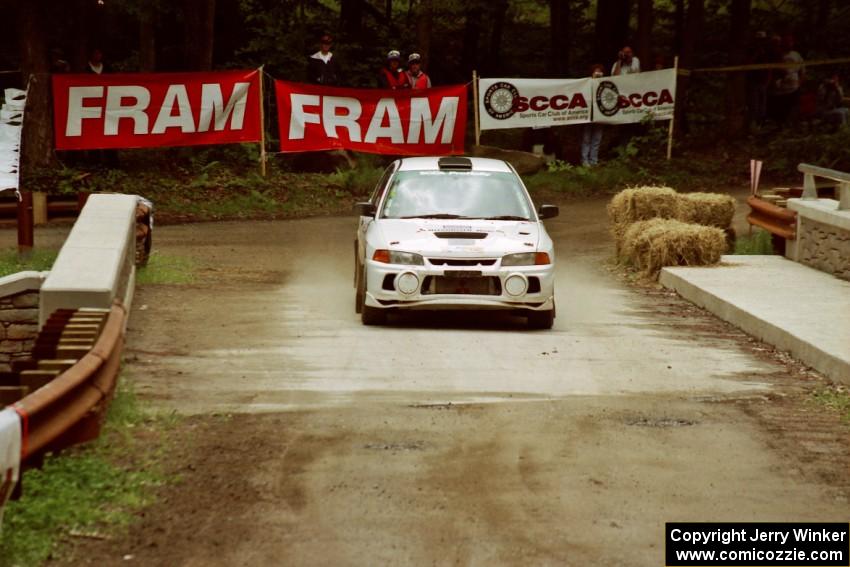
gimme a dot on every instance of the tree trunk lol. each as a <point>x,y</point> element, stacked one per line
<point>199,17</point>
<point>736,82</point>
<point>424,23</point>
<point>351,17</point>
<point>678,26</point>
<point>612,29</point>
<point>147,39</point>
<point>692,30</point>
<point>643,45</point>
<point>559,22</point>
<point>79,55</point>
<point>499,11</point>
<point>471,35</point>
<point>37,148</point>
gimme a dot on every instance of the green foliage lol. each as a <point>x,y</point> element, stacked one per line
<point>90,489</point>
<point>166,269</point>
<point>834,398</point>
<point>38,260</point>
<point>358,181</point>
<point>759,243</point>
<point>784,153</point>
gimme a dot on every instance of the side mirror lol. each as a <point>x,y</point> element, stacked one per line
<point>548,211</point>
<point>366,209</point>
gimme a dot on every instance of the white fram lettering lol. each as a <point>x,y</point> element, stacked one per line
<point>116,110</point>
<point>77,112</point>
<point>214,110</point>
<point>331,120</point>
<point>420,114</point>
<point>393,131</point>
<point>300,117</point>
<point>167,119</point>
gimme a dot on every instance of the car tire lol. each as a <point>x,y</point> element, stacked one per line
<point>372,315</point>
<point>360,285</point>
<point>541,319</point>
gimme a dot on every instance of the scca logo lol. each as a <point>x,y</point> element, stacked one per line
<point>502,100</point>
<point>610,101</point>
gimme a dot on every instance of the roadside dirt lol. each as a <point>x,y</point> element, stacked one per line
<point>372,447</point>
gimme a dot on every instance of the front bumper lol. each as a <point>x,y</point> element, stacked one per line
<point>383,290</point>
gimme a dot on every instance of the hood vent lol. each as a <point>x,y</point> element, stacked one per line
<point>462,235</point>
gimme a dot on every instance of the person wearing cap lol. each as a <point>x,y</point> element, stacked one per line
<point>392,76</point>
<point>321,66</point>
<point>417,78</point>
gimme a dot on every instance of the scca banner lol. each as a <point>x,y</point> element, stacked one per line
<point>633,98</point>
<point>142,110</point>
<point>523,103</point>
<point>411,122</point>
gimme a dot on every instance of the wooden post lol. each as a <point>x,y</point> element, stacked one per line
<point>39,208</point>
<point>475,108</point>
<point>262,126</point>
<point>672,118</point>
<point>26,237</point>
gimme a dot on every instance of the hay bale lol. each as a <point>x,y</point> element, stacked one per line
<point>707,209</point>
<point>639,204</point>
<point>650,245</point>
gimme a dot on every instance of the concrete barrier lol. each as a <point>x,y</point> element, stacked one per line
<point>97,262</point>
<point>18,316</point>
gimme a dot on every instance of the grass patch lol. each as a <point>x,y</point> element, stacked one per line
<point>758,243</point>
<point>38,260</point>
<point>834,398</point>
<point>166,269</point>
<point>95,488</point>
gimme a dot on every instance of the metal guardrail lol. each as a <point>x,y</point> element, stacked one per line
<point>776,220</point>
<point>69,409</point>
<point>810,190</point>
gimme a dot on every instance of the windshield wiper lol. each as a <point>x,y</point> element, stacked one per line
<point>436,216</point>
<point>506,217</point>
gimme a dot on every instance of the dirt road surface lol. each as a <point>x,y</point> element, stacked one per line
<point>454,440</point>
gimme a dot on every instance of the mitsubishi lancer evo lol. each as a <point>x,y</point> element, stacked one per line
<point>453,233</point>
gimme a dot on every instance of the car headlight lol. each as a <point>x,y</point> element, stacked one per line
<point>526,259</point>
<point>396,257</point>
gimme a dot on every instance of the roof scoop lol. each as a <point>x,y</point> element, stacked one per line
<point>455,163</point>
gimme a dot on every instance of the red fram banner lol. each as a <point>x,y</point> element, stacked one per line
<point>410,122</point>
<point>141,110</point>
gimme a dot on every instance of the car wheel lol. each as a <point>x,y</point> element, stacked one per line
<point>360,285</point>
<point>541,319</point>
<point>373,315</point>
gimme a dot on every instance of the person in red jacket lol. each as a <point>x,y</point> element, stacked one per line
<point>392,76</point>
<point>417,78</point>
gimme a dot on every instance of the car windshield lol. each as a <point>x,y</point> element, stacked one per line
<point>456,194</point>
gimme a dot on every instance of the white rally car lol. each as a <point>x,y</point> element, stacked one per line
<point>453,233</point>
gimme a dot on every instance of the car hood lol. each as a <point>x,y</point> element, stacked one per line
<point>459,238</point>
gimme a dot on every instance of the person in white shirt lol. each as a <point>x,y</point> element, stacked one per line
<point>95,62</point>
<point>626,63</point>
<point>321,66</point>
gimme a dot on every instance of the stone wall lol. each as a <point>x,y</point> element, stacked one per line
<point>18,327</point>
<point>824,247</point>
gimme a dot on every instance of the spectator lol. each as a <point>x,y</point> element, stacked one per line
<point>831,102</point>
<point>95,62</point>
<point>591,137</point>
<point>415,75</point>
<point>392,76</point>
<point>787,82</point>
<point>321,66</point>
<point>758,80</point>
<point>658,62</point>
<point>626,63</point>
<point>58,63</point>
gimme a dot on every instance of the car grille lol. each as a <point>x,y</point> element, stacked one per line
<point>443,285</point>
<point>461,262</point>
